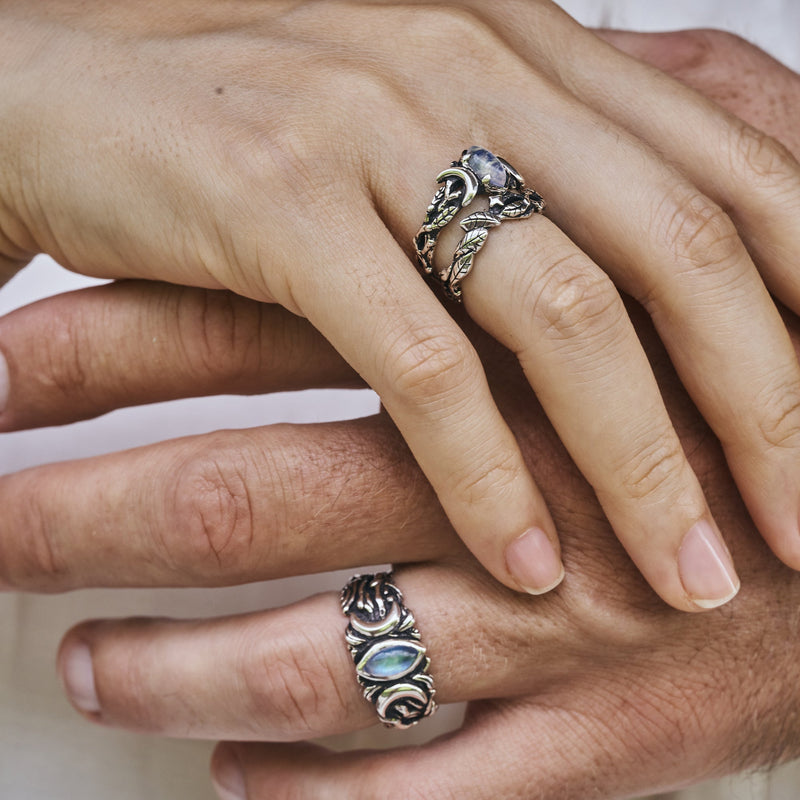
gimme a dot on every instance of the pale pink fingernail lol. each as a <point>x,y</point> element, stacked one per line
<point>227,775</point>
<point>706,568</point>
<point>534,563</point>
<point>77,673</point>
<point>4,383</point>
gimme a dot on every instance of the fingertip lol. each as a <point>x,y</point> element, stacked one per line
<point>534,562</point>
<point>75,668</point>
<point>706,568</point>
<point>786,546</point>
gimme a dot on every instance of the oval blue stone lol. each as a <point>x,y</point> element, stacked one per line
<point>485,164</point>
<point>391,662</point>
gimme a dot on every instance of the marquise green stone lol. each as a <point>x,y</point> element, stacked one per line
<point>391,662</point>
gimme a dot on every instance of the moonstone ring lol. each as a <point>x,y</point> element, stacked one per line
<point>477,172</point>
<point>391,661</point>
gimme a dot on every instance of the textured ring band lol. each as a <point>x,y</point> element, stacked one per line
<point>477,172</point>
<point>391,661</point>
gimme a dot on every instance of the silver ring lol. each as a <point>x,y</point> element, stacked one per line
<point>391,661</point>
<point>477,172</point>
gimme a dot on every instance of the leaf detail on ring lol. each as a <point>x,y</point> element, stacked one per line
<point>460,268</point>
<point>444,216</point>
<point>480,219</point>
<point>518,207</point>
<point>473,240</point>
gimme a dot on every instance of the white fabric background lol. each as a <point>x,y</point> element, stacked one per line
<point>46,750</point>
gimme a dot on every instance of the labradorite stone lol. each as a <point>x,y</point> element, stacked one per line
<point>483,164</point>
<point>391,662</point>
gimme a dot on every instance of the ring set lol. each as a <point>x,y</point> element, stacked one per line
<point>477,172</point>
<point>392,665</point>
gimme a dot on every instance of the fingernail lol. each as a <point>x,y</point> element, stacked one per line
<point>227,777</point>
<point>533,562</point>
<point>77,673</point>
<point>4,383</point>
<point>706,568</point>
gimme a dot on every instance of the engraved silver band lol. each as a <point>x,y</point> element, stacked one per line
<point>391,661</point>
<point>478,171</point>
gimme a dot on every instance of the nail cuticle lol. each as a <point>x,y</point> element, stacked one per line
<point>548,588</point>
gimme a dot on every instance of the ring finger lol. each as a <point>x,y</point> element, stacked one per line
<point>536,292</point>
<point>279,675</point>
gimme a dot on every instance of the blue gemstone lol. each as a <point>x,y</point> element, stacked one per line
<point>392,662</point>
<point>486,165</point>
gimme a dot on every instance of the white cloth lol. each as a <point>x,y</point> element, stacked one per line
<point>46,751</point>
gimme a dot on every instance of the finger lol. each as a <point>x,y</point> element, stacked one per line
<point>84,353</point>
<point>664,238</point>
<point>546,301</point>
<point>731,71</point>
<point>749,174</point>
<point>279,675</point>
<point>530,747</point>
<point>220,509</point>
<point>511,749</point>
<point>379,314</point>
<point>9,267</point>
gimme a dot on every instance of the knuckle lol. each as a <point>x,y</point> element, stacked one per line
<point>571,300</point>
<point>701,237</point>
<point>64,353</point>
<point>491,479</point>
<point>426,32</point>
<point>762,161</point>
<point>292,686</point>
<point>124,662</point>
<point>218,333</point>
<point>779,414</point>
<point>655,469</point>
<point>431,368</point>
<point>213,528</point>
<point>33,561</point>
<point>450,23</point>
<point>694,51</point>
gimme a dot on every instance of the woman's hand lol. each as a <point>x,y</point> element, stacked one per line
<point>286,151</point>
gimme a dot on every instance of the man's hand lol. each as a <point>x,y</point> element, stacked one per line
<point>596,690</point>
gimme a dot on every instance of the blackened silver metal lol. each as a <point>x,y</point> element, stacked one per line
<point>461,183</point>
<point>391,661</point>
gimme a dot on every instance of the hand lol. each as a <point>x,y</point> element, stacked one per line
<point>247,147</point>
<point>612,691</point>
<point>613,694</point>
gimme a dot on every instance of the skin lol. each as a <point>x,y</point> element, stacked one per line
<point>198,180</point>
<point>595,690</point>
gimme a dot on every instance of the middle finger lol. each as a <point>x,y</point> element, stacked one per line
<point>220,509</point>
